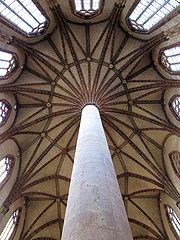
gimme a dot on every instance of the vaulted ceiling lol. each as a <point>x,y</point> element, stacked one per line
<point>99,63</point>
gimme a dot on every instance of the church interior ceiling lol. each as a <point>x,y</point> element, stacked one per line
<point>82,63</point>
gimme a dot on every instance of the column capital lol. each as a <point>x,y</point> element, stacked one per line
<point>90,104</point>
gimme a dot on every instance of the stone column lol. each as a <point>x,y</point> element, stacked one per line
<point>95,209</point>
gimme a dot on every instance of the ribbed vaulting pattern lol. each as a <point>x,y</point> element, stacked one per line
<point>80,64</point>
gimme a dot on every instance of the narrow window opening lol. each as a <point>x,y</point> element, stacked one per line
<point>175,106</point>
<point>174,220</point>
<point>7,63</point>
<point>4,111</point>
<point>171,59</point>
<point>5,167</point>
<point>10,226</point>
<point>87,8</point>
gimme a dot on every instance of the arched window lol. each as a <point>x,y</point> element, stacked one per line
<point>171,59</point>
<point>147,13</point>
<point>10,227</point>
<point>175,162</point>
<point>87,8</point>
<point>5,108</point>
<point>175,106</point>
<point>174,221</point>
<point>24,15</point>
<point>7,63</point>
<point>6,165</point>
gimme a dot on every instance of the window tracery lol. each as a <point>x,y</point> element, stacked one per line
<point>87,8</point>
<point>175,106</point>
<point>174,220</point>
<point>23,14</point>
<point>171,58</point>
<point>7,63</point>
<point>148,13</point>
<point>4,111</point>
<point>5,167</point>
<point>10,226</point>
<point>175,161</point>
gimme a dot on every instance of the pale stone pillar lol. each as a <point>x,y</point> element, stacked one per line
<point>95,209</point>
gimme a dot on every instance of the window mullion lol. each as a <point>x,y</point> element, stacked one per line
<point>175,63</point>
<point>15,13</point>
<point>28,11</point>
<point>82,4</point>
<point>160,7</point>
<point>91,4</point>
<point>144,10</point>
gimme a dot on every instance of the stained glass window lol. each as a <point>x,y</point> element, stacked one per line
<point>175,105</point>
<point>7,63</point>
<point>175,161</point>
<point>10,226</point>
<point>24,14</point>
<point>171,58</point>
<point>87,8</point>
<point>5,167</point>
<point>174,220</point>
<point>4,111</point>
<point>148,13</point>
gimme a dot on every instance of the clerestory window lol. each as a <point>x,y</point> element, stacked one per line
<point>23,14</point>
<point>10,227</point>
<point>147,13</point>
<point>175,106</point>
<point>175,162</point>
<point>5,108</point>
<point>174,221</point>
<point>5,167</point>
<point>7,64</point>
<point>87,8</point>
<point>171,59</point>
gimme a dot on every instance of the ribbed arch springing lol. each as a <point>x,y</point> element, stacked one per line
<point>148,13</point>
<point>24,15</point>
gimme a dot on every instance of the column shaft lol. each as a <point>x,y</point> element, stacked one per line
<point>95,209</point>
